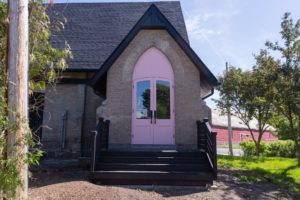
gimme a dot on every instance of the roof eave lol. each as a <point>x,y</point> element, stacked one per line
<point>154,19</point>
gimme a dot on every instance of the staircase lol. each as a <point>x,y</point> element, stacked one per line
<point>152,168</point>
<point>148,166</point>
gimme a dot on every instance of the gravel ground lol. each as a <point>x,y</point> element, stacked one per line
<point>58,183</point>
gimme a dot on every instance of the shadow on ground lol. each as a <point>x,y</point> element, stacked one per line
<point>228,186</point>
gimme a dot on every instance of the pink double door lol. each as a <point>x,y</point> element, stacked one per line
<point>153,111</point>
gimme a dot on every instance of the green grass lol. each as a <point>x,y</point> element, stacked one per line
<point>282,171</point>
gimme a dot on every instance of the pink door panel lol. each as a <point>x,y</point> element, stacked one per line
<point>163,104</point>
<point>142,112</point>
<point>153,100</point>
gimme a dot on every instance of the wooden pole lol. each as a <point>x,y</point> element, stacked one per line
<point>18,89</point>
<point>229,124</point>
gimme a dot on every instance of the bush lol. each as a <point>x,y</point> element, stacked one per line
<point>249,148</point>
<point>281,148</point>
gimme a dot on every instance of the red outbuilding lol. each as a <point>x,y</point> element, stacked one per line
<point>240,131</point>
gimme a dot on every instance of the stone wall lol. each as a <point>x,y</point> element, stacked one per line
<point>80,120</point>
<point>188,102</point>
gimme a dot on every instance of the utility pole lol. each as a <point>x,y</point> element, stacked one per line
<point>18,90</point>
<point>229,124</point>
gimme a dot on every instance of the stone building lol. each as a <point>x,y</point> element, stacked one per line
<point>133,65</point>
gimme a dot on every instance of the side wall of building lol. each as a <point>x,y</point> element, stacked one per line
<point>79,102</point>
<point>189,106</point>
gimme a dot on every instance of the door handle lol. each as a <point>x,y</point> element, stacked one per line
<point>154,116</point>
<point>151,116</point>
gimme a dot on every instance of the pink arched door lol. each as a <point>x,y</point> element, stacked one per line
<point>153,100</point>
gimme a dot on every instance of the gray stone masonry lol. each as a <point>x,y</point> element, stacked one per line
<point>188,103</point>
<point>58,100</point>
<point>189,106</point>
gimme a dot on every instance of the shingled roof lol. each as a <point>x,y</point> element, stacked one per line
<point>94,30</point>
<point>220,120</point>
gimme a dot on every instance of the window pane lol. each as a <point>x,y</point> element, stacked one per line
<point>163,99</point>
<point>143,100</point>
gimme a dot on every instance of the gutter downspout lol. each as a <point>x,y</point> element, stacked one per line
<point>63,130</point>
<point>210,94</point>
<point>83,117</point>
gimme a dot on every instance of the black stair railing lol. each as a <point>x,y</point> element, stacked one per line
<point>207,142</point>
<point>100,140</point>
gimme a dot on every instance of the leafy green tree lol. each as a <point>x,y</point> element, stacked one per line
<point>45,63</point>
<point>287,77</point>
<point>247,94</point>
<point>282,126</point>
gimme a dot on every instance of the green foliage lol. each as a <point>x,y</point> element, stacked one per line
<point>45,63</point>
<point>282,126</point>
<point>270,91</point>
<point>282,148</point>
<point>9,175</point>
<point>286,85</point>
<point>247,94</point>
<point>249,148</point>
<point>44,59</point>
<point>282,171</point>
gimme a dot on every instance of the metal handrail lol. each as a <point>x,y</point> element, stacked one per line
<point>94,147</point>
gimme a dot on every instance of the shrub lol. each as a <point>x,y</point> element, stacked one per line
<point>248,148</point>
<point>281,148</point>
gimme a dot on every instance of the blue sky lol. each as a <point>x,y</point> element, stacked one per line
<point>230,30</point>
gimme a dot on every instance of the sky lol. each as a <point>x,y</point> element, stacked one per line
<point>229,30</point>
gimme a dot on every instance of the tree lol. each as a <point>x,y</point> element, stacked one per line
<point>246,93</point>
<point>259,93</point>
<point>44,64</point>
<point>287,77</point>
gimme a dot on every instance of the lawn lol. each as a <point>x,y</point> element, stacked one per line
<point>282,171</point>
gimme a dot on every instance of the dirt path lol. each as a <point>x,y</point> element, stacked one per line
<point>49,184</point>
<point>53,180</point>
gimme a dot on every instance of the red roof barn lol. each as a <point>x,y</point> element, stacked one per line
<point>240,132</point>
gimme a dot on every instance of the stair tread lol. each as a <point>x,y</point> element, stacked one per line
<point>155,164</point>
<point>155,157</point>
<point>150,172</point>
<point>147,154</point>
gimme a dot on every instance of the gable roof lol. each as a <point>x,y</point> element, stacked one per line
<point>94,30</point>
<point>154,19</point>
<point>219,120</point>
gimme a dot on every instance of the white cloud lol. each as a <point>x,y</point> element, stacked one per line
<point>196,26</point>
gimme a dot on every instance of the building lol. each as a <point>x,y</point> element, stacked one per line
<point>240,131</point>
<point>134,68</point>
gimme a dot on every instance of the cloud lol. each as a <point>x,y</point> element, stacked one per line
<point>208,23</point>
<point>210,26</point>
<point>196,26</point>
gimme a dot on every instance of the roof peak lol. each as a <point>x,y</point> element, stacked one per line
<point>153,18</point>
